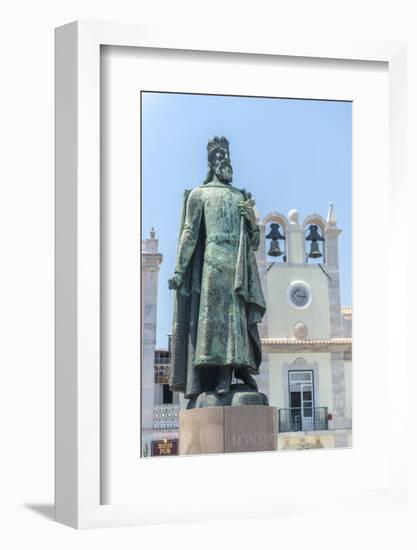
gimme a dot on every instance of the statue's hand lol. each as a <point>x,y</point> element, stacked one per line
<point>247,211</point>
<point>176,281</point>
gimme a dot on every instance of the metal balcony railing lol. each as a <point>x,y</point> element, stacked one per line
<point>165,417</point>
<point>303,420</point>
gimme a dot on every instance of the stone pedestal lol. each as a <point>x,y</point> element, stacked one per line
<point>228,430</point>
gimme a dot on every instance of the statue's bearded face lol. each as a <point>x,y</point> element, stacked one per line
<point>222,166</point>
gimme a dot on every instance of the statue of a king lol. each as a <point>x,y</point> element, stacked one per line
<point>218,295</point>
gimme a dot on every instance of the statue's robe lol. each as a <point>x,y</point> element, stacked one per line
<point>220,303</point>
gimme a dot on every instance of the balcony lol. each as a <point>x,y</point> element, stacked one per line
<point>303,420</point>
<point>165,417</point>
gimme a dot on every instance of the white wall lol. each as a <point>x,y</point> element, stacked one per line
<point>348,385</point>
<point>282,316</point>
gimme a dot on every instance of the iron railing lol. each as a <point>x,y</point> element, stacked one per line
<point>306,420</point>
<point>165,417</point>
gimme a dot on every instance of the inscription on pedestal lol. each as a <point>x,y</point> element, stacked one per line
<point>250,428</point>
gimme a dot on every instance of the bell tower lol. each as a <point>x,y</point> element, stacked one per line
<point>150,262</point>
<point>297,280</point>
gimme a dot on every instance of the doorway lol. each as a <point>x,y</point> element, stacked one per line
<point>301,385</point>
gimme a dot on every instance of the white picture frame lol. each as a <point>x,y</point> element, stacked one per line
<point>78,404</point>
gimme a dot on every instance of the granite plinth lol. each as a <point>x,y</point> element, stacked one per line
<point>236,429</point>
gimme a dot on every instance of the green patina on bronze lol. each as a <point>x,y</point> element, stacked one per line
<point>218,296</point>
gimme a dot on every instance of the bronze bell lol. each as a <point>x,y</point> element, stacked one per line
<point>315,250</point>
<point>314,234</point>
<point>275,233</point>
<point>274,249</point>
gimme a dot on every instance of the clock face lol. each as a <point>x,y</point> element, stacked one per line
<point>300,295</point>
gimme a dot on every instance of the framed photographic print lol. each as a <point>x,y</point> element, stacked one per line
<point>299,351</point>
<point>216,212</point>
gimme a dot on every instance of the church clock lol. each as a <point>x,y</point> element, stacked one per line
<point>299,294</point>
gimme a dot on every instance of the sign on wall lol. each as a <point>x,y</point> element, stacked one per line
<point>164,447</point>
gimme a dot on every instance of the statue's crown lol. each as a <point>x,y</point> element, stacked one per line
<point>216,143</point>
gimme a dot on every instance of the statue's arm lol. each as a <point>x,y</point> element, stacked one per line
<point>189,236</point>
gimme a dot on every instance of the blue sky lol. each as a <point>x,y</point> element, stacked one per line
<point>288,153</point>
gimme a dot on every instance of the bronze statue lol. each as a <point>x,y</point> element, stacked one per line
<point>218,295</point>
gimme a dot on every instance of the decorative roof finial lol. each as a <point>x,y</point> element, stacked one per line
<point>293,216</point>
<point>331,216</point>
<point>152,233</point>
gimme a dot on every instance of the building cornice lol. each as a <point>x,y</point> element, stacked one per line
<point>151,261</point>
<point>284,345</point>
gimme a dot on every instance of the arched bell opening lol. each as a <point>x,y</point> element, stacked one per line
<point>314,229</point>
<point>275,238</point>
<point>274,234</point>
<point>314,244</point>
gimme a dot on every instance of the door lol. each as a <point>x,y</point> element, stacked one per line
<point>307,420</point>
<point>301,400</point>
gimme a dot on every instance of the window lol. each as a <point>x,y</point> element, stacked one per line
<point>167,396</point>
